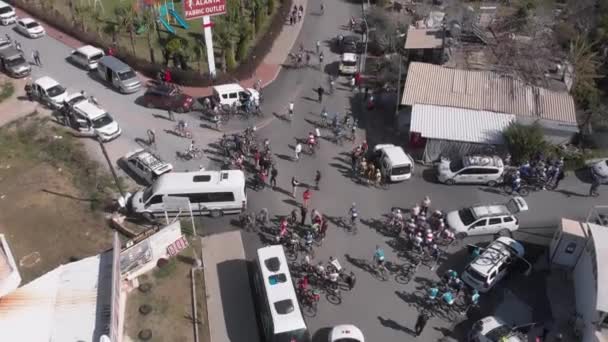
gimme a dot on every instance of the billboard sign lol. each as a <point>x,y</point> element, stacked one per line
<point>194,9</point>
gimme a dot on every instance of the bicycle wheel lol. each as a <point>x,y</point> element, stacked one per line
<point>507,189</point>
<point>333,297</point>
<point>403,278</point>
<point>524,191</point>
<point>381,274</point>
<point>291,254</point>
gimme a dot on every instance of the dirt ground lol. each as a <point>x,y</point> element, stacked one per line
<point>170,298</point>
<point>44,210</point>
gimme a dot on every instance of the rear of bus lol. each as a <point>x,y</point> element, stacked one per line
<point>280,315</point>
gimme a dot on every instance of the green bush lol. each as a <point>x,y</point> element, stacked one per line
<point>270,7</point>
<point>6,90</point>
<point>524,141</point>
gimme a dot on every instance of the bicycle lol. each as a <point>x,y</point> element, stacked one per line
<point>523,190</point>
<point>190,154</point>
<point>350,226</point>
<point>309,299</point>
<point>380,270</point>
<point>247,221</point>
<point>181,130</point>
<point>406,273</point>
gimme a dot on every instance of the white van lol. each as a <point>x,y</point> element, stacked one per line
<point>394,163</point>
<point>348,63</point>
<point>87,56</point>
<point>118,74</point>
<point>228,94</point>
<point>7,14</point>
<point>210,193</point>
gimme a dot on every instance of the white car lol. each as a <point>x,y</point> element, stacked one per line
<point>474,169</point>
<point>486,219</point>
<point>348,63</point>
<point>492,264</point>
<point>30,27</point>
<point>49,92</point>
<point>346,333</point>
<point>493,329</point>
<point>146,165</point>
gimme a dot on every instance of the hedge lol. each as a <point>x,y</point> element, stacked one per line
<point>244,70</point>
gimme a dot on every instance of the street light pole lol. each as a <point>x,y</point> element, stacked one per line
<point>398,87</point>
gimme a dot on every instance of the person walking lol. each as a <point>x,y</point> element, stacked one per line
<point>303,213</point>
<point>317,179</point>
<point>171,114</point>
<point>332,83</point>
<point>595,184</point>
<point>426,203</point>
<point>307,59</point>
<point>18,46</point>
<point>297,150</point>
<point>321,57</point>
<point>167,78</point>
<point>294,186</point>
<point>320,92</point>
<point>421,323</point>
<point>290,109</point>
<point>352,83</point>
<point>291,19</point>
<point>306,198</point>
<point>273,177</point>
<point>36,57</point>
<point>318,44</point>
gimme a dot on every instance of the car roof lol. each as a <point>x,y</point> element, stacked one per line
<point>163,89</point>
<point>27,20</point>
<point>482,161</point>
<point>349,57</point>
<point>114,63</point>
<point>89,50</point>
<point>394,153</point>
<point>228,88</point>
<point>147,158</point>
<point>352,38</point>
<point>10,51</point>
<point>490,210</point>
<point>46,82</point>
<point>499,250</point>
<point>91,110</point>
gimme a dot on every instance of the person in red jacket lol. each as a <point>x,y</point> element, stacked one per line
<point>306,196</point>
<point>167,76</point>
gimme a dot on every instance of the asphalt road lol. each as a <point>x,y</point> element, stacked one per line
<point>376,307</point>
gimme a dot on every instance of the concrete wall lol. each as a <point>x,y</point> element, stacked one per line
<point>585,290</point>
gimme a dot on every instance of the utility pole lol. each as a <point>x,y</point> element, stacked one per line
<point>105,154</point>
<point>398,88</point>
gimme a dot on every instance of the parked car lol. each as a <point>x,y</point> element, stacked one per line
<point>351,44</point>
<point>13,63</point>
<point>89,118</point>
<point>7,14</point>
<point>494,329</point>
<point>348,63</point>
<point>487,219</point>
<point>30,28</point>
<point>167,97</point>
<point>475,169</point>
<point>146,165</point>
<point>86,57</point>
<point>346,333</point>
<point>599,169</point>
<point>49,92</point>
<point>492,264</point>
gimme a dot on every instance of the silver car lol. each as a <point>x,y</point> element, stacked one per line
<point>146,165</point>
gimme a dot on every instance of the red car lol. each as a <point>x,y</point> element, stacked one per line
<point>167,97</point>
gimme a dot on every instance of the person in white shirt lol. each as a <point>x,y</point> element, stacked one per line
<point>290,110</point>
<point>298,150</point>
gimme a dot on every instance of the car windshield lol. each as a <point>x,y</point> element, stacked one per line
<point>498,333</point>
<point>96,57</point>
<point>102,121</point>
<point>456,165</point>
<point>401,170</point>
<point>76,99</point>
<point>15,61</point>
<point>55,91</point>
<point>5,10</point>
<point>476,275</point>
<point>126,75</point>
<point>466,216</point>
<point>349,63</point>
<point>147,194</point>
<point>32,24</point>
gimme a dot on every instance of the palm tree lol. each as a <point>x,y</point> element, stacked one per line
<point>225,34</point>
<point>149,21</point>
<point>111,29</point>
<point>83,11</point>
<point>174,47</point>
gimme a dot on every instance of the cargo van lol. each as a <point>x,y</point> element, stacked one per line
<point>7,14</point>
<point>118,74</point>
<point>87,57</point>
<point>212,193</point>
<point>394,163</point>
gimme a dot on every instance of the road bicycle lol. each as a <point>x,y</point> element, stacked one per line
<point>380,270</point>
<point>407,272</point>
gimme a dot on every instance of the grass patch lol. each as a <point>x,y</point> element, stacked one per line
<point>35,139</point>
<point>7,89</point>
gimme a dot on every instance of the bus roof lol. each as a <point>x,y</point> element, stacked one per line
<point>212,181</point>
<point>279,290</point>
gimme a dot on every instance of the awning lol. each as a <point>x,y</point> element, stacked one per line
<point>600,244</point>
<point>457,124</point>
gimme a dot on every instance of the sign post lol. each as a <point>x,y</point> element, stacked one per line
<point>194,9</point>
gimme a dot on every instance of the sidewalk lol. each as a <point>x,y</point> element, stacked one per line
<point>229,300</point>
<point>267,71</point>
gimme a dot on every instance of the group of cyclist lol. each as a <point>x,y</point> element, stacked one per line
<point>538,173</point>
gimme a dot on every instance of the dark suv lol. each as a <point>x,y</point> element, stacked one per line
<point>167,97</point>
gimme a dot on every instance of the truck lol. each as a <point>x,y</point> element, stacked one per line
<point>394,163</point>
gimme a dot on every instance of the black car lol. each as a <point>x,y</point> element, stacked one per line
<point>351,44</point>
<point>167,97</point>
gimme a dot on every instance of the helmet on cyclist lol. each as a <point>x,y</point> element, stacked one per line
<point>398,211</point>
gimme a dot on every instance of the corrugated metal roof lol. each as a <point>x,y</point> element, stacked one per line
<point>62,304</point>
<point>457,124</point>
<point>484,90</point>
<point>423,38</point>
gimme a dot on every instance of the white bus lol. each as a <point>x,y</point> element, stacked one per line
<point>280,314</point>
<point>212,193</point>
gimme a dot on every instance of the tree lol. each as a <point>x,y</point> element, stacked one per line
<point>149,22</point>
<point>83,11</point>
<point>586,63</point>
<point>524,141</point>
<point>385,28</point>
<point>111,29</point>
<point>128,18</point>
<point>199,52</point>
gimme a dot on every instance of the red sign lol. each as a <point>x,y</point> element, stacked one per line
<point>209,25</point>
<point>177,246</point>
<point>194,9</point>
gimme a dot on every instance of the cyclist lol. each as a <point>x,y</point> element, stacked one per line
<point>516,182</point>
<point>354,213</point>
<point>308,238</point>
<point>379,256</point>
<point>264,217</point>
<point>191,147</point>
<point>397,217</point>
<point>433,293</point>
<point>311,140</point>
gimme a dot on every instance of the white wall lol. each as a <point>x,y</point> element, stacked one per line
<point>586,293</point>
